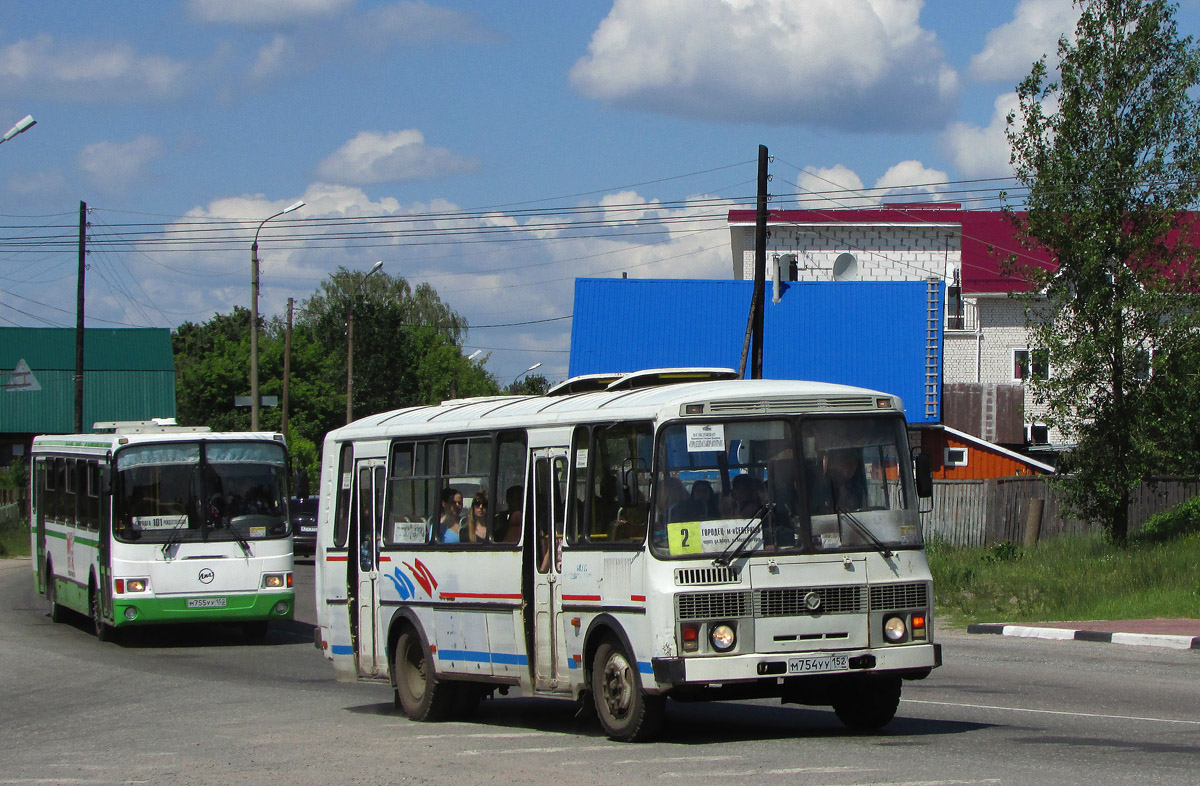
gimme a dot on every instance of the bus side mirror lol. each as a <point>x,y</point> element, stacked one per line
<point>301,483</point>
<point>924,476</point>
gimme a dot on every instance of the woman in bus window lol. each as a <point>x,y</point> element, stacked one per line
<point>476,527</point>
<point>448,523</point>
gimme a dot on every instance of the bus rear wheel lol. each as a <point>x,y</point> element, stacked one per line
<point>57,612</point>
<point>868,704</point>
<point>627,713</point>
<point>419,693</point>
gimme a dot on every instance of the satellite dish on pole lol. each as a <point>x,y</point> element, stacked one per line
<point>845,267</point>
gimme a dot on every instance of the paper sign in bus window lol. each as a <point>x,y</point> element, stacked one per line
<point>705,438</point>
<point>148,523</point>
<point>699,537</point>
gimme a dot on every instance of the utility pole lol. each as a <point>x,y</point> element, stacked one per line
<point>287,370</point>
<point>760,268</point>
<point>79,288</point>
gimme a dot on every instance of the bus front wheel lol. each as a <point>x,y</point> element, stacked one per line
<point>99,626</point>
<point>419,693</point>
<point>627,713</point>
<point>868,704</point>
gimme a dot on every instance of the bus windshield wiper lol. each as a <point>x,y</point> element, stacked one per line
<point>173,539</point>
<point>240,538</point>
<point>738,544</point>
<point>865,530</point>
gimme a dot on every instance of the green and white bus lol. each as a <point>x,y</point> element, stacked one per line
<point>162,524</point>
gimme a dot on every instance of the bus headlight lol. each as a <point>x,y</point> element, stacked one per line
<point>274,580</point>
<point>137,585</point>
<point>722,637</point>
<point>894,629</point>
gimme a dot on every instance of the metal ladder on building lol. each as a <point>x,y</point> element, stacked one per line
<point>933,347</point>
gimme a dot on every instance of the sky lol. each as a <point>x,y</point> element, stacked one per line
<point>496,151</point>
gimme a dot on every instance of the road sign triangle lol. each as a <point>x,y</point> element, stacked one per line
<point>22,379</point>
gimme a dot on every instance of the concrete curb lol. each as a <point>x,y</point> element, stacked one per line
<point>1067,634</point>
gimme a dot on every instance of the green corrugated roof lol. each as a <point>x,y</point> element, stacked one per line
<point>129,374</point>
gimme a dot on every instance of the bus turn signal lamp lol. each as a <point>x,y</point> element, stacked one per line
<point>691,638</point>
<point>918,626</point>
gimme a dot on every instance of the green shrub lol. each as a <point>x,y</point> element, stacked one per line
<point>1183,519</point>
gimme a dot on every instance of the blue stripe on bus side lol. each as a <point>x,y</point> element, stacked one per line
<point>477,656</point>
<point>342,649</point>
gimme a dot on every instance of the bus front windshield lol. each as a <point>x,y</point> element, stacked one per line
<point>200,491</point>
<point>831,484</point>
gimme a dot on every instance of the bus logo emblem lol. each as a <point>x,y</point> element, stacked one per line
<point>206,576</point>
<point>812,601</point>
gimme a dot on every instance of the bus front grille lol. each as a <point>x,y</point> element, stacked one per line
<point>886,597</point>
<point>791,601</point>
<point>712,605</point>
<point>789,405</point>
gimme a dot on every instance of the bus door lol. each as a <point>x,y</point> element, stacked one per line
<point>369,477</point>
<point>103,523</point>
<point>549,489</point>
<point>38,506</point>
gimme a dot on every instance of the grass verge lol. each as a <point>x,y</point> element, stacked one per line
<point>1083,577</point>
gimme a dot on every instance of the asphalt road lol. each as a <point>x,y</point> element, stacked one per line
<point>198,706</point>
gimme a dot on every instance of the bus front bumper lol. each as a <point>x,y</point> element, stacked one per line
<point>214,608</point>
<point>910,660</point>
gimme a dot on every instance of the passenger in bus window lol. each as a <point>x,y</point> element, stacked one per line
<point>477,518</point>
<point>745,497</point>
<point>513,498</point>
<point>451,517</point>
<point>705,499</point>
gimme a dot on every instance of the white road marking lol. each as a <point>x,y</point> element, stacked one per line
<point>1050,712</point>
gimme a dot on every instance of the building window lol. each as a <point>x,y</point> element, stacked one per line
<point>955,457</point>
<point>1038,434</point>
<point>1030,364</point>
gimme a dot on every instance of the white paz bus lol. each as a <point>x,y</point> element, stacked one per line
<point>670,533</point>
<point>161,524</point>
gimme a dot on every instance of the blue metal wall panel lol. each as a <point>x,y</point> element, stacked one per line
<point>870,334</point>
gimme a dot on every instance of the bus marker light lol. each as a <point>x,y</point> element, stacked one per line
<point>918,626</point>
<point>120,585</point>
<point>289,580</point>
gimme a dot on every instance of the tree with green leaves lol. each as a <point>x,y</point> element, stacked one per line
<point>1109,148</point>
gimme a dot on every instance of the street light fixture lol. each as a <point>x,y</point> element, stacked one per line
<point>23,125</point>
<point>350,342</point>
<point>474,354</point>
<point>254,400</point>
<point>523,373</point>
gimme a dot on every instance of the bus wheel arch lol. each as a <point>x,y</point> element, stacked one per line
<point>418,691</point>
<point>626,711</point>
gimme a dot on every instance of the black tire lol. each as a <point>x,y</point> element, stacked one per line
<point>57,612</point>
<point>627,713</point>
<point>466,700</point>
<point>419,693</point>
<point>868,704</point>
<point>99,626</point>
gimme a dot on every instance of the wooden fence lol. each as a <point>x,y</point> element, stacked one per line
<point>982,512</point>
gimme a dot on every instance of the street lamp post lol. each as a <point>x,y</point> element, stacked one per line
<point>22,125</point>
<point>350,342</point>
<point>523,373</point>
<point>254,400</point>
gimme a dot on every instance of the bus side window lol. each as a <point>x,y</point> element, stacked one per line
<point>345,485</point>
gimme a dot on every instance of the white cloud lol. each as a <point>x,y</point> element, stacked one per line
<point>1011,49</point>
<point>258,12</point>
<point>840,186</point>
<point>982,152</point>
<point>386,157</point>
<point>115,166</point>
<point>851,64</point>
<point>414,22</point>
<point>87,71</point>
<point>273,58</point>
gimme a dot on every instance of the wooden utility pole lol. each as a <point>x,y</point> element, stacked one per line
<point>760,268</point>
<point>79,288</point>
